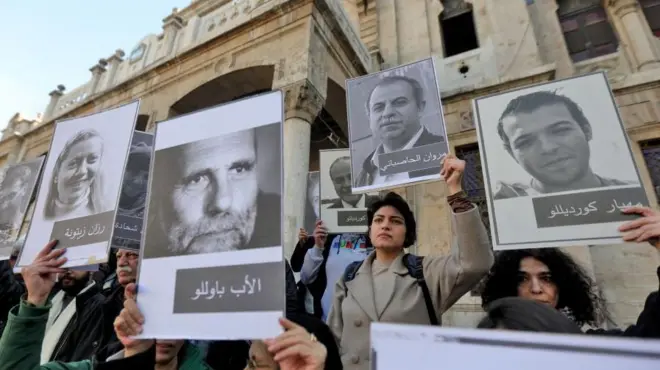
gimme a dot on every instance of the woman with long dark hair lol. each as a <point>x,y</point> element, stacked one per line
<point>392,286</point>
<point>552,277</point>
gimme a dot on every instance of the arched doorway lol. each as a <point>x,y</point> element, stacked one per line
<point>235,85</point>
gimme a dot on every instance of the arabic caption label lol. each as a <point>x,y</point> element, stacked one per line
<point>595,207</point>
<point>127,227</point>
<point>241,288</point>
<point>86,230</point>
<point>352,218</point>
<point>413,159</point>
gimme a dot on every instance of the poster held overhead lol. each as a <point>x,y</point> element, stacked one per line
<point>132,202</point>
<point>558,168</point>
<point>212,242</point>
<point>396,127</point>
<point>341,210</point>
<point>17,186</point>
<point>80,187</point>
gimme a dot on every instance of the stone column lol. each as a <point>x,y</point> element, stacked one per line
<point>634,33</point>
<point>302,104</point>
<point>113,65</point>
<point>97,70</point>
<point>55,96</point>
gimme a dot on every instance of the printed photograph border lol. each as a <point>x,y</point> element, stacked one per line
<point>497,245</point>
<point>411,182</point>
<point>90,260</point>
<point>265,323</point>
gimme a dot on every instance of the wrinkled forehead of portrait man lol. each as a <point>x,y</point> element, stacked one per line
<point>219,152</point>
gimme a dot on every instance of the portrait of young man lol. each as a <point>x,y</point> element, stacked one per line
<point>549,136</point>
<point>557,163</point>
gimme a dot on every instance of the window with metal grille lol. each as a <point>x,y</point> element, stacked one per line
<point>473,184</point>
<point>651,9</point>
<point>651,152</point>
<point>586,29</point>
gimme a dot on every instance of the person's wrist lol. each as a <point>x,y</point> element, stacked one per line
<point>37,300</point>
<point>454,189</point>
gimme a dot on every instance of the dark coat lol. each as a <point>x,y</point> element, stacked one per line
<point>366,176</point>
<point>12,288</point>
<point>648,322</point>
<point>336,203</point>
<point>91,328</point>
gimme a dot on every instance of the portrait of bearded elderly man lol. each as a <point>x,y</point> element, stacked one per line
<point>206,197</point>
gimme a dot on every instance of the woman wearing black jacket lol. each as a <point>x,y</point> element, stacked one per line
<point>552,277</point>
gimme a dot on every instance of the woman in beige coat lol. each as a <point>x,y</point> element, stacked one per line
<point>382,290</point>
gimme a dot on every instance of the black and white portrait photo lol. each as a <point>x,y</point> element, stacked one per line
<point>212,240</point>
<point>312,201</point>
<point>80,187</point>
<point>133,198</point>
<point>396,127</point>
<point>211,195</point>
<point>16,188</point>
<point>75,187</point>
<point>342,211</point>
<point>556,162</point>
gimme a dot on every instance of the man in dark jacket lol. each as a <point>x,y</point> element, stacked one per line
<point>395,108</point>
<point>12,288</point>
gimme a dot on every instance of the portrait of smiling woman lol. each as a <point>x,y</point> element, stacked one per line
<point>76,185</point>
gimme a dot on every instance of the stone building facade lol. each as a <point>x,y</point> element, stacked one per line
<point>214,51</point>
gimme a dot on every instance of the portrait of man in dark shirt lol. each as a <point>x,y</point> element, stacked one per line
<point>549,136</point>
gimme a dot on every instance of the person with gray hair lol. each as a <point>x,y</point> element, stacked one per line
<point>394,108</point>
<point>76,184</point>
<point>207,199</point>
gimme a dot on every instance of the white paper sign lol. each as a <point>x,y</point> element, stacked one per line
<point>396,347</point>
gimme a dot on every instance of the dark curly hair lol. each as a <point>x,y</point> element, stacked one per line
<point>578,293</point>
